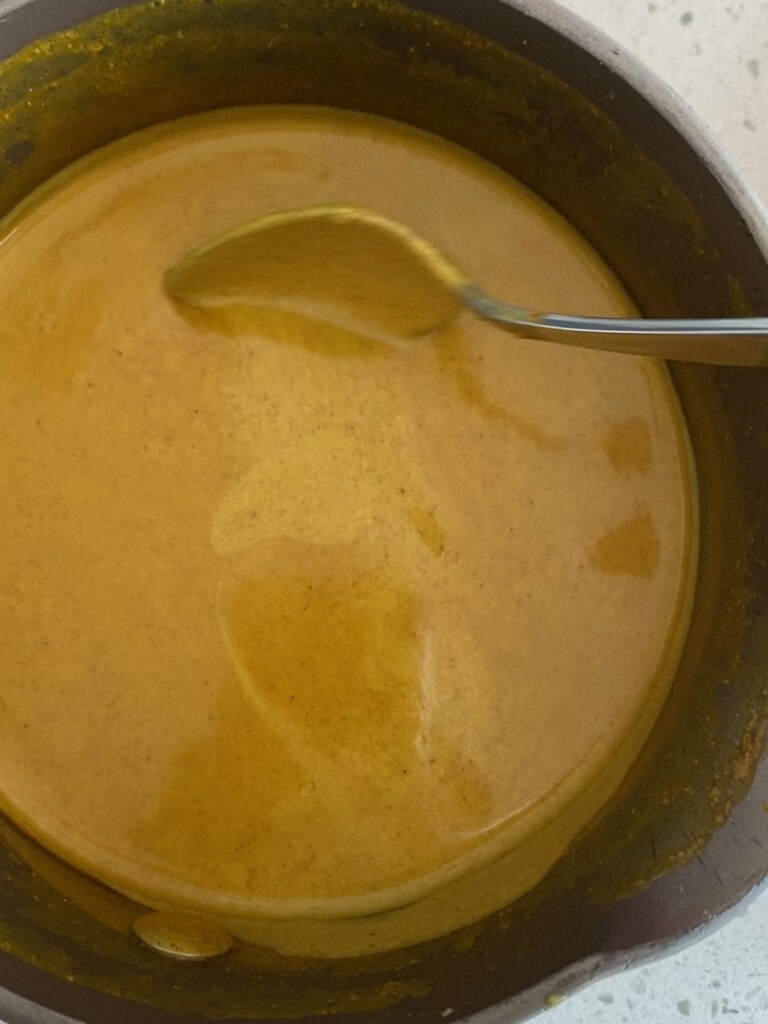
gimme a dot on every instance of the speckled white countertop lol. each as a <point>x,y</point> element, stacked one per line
<point>715,54</point>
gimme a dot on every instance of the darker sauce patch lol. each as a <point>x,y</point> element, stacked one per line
<point>629,549</point>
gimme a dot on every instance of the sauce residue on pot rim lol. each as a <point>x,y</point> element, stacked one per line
<point>337,642</point>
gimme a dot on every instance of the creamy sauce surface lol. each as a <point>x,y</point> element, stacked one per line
<point>299,624</point>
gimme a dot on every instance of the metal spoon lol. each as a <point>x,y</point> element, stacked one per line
<point>366,272</point>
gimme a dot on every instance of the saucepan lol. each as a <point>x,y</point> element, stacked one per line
<point>549,99</point>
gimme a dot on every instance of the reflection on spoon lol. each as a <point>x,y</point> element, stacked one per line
<point>364,272</point>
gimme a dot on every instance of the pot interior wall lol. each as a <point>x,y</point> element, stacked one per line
<point>66,96</point>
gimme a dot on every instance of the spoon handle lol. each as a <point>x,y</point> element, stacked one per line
<point>728,342</point>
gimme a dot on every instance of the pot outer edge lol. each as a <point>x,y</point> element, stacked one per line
<point>684,904</point>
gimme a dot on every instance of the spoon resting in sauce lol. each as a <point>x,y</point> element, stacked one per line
<point>362,271</point>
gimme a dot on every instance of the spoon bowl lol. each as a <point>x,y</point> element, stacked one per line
<point>342,264</point>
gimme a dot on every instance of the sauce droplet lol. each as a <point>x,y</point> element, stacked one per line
<point>182,936</point>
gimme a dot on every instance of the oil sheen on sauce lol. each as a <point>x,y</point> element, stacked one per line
<point>336,641</point>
